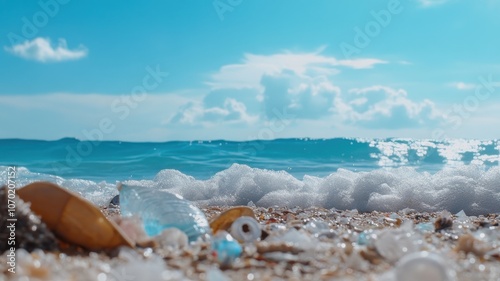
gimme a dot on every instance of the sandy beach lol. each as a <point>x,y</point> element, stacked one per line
<point>301,244</point>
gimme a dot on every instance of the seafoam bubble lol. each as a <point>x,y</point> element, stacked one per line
<point>473,189</point>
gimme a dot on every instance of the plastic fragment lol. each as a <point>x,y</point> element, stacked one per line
<point>225,248</point>
<point>367,237</point>
<point>394,244</point>
<point>224,220</point>
<point>160,209</point>
<point>422,266</point>
<point>425,227</point>
<point>172,238</point>
<point>246,230</point>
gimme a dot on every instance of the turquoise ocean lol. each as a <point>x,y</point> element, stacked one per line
<point>342,173</point>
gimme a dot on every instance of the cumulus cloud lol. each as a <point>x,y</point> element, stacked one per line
<point>388,108</point>
<point>302,97</point>
<point>196,113</point>
<point>249,72</point>
<point>301,87</point>
<point>41,49</point>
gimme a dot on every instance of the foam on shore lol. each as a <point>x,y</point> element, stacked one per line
<point>474,189</point>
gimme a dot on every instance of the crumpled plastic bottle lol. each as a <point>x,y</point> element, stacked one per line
<point>160,209</point>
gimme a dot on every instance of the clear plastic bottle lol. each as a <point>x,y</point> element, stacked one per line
<point>160,209</point>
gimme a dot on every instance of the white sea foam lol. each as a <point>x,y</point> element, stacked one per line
<point>470,188</point>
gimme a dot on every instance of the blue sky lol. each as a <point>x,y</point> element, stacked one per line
<point>241,69</point>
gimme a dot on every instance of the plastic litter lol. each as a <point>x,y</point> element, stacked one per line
<point>226,219</point>
<point>171,238</point>
<point>246,230</point>
<point>300,240</point>
<point>396,243</point>
<point>367,237</point>
<point>317,228</point>
<point>225,248</point>
<point>425,227</point>
<point>160,209</point>
<point>423,266</point>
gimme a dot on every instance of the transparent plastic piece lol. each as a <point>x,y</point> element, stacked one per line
<point>423,266</point>
<point>160,209</point>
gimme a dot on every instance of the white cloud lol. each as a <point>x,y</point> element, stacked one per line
<point>40,49</point>
<point>462,86</point>
<point>384,107</point>
<point>302,97</point>
<point>301,87</point>
<point>431,3</point>
<point>196,113</point>
<point>249,73</point>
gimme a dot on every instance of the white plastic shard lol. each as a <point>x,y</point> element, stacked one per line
<point>423,266</point>
<point>393,244</point>
<point>246,229</point>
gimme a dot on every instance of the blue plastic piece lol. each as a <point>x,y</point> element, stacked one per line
<point>160,209</point>
<point>226,248</point>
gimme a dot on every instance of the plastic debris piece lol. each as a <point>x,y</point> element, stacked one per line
<point>135,267</point>
<point>422,266</point>
<point>317,227</point>
<point>172,238</point>
<point>394,216</point>
<point>425,227</point>
<point>246,230</point>
<point>394,244</point>
<point>280,256</point>
<point>367,237</point>
<point>300,240</point>
<point>320,229</point>
<point>73,218</point>
<point>461,216</point>
<point>160,209</point>
<point>226,219</point>
<point>226,248</point>
<point>132,227</point>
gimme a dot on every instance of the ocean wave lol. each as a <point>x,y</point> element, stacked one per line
<point>472,188</point>
<point>115,160</point>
